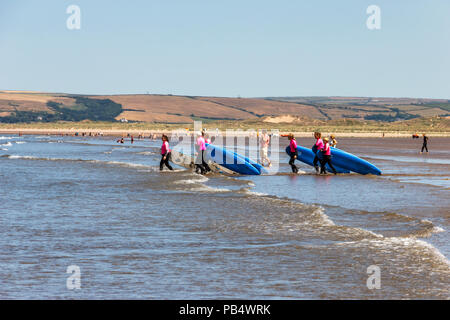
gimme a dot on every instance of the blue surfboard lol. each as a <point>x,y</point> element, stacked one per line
<point>257,166</point>
<point>230,160</point>
<point>306,156</point>
<point>353,163</point>
<point>343,162</point>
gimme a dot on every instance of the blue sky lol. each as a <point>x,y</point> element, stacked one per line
<point>227,48</point>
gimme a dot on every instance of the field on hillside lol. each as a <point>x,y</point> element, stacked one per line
<point>184,109</point>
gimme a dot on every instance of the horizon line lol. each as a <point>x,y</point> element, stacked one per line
<point>25,91</point>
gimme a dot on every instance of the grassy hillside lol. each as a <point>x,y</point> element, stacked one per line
<point>75,108</point>
<point>21,106</point>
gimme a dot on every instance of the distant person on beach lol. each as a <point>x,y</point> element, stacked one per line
<point>120,141</point>
<point>264,148</point>
<point>425,143</point>
<point>200,163</point>
<point>132,139</point>
<point>294,152</point>
<point>316,148</point>
<point>165,153</point>
<point>333,141</point>
<point>326,158</point>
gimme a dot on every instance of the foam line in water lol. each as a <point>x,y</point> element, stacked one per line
<point>400,244</point>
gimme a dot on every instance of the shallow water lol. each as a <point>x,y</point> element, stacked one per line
<point>137,233</point>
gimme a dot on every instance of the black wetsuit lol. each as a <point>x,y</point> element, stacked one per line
<point>323,163</point>
<point>163,162</point>
<point>294,156</point>
<point>425,143</point>
<point>203,167</point>
<point>316,158</point>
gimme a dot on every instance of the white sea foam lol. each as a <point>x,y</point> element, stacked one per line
<point>398,243</point>
<point>438,229</point>
<point>20,142</point>
<point>8,144</point>
<point>192,181</point>
<point>116,163</point>
<point>125,164</point>
<point>325,219</point>
<point>204,188</point>
<point>253,193</point>
<point>37,158</point>
<point>23,157</point>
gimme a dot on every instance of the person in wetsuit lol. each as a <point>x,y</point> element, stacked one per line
<point>316,148</point>
<point>200,162</point>
<point>165,153</point>
<point>326,158</point>
<point>294,152</point>
<point>425,143</point>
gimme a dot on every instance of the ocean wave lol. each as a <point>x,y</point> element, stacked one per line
<point>118,163</point>
<point>196,183</point>
<point>14,157</point>
<point>8,144</point>
<point>421,249</point>
<point>199,180</point>
<point>145,153</point>
<point>438,230</point>
<point>252,193</point>
<point>205,188</point>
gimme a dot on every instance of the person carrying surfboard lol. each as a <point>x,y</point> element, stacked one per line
<point>316,148</point>
<point>200,162</point>
<point>165,153</point>
<point>326,157</point>
<point>294,152</point>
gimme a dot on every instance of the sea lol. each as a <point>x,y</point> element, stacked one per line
<point>90,218</point>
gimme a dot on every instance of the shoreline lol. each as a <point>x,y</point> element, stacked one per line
<point>147,132</point>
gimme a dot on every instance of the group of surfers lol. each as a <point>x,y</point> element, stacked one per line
<point>321,145</point>
<point>201,166</point>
